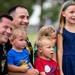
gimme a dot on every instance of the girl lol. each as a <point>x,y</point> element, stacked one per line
<point>66,39</point>
<point>46,30</point>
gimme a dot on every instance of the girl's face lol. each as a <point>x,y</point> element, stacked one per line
<point>19,42</point>
<point>54,37</point>
<point>47,50</point>
<point>69,14</point>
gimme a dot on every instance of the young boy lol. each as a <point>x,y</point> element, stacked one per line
<point>18,57</point>
<point>44,63</point>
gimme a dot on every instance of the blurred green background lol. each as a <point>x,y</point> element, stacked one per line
<point>32,37</point>
<point>51,12</point>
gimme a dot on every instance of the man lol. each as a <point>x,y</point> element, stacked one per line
<point>21,19</point>
<point>5,32</point>
<point>20,16</point>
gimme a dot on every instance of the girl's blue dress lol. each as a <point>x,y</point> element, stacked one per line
<point>68,52</point>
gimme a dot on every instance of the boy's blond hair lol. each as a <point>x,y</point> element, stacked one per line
<point>41,41</point>
<point>18,32</point>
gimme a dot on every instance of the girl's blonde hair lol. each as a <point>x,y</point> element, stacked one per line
<point>62,20</point>
<point>18,32</point>
<point>46,30</point>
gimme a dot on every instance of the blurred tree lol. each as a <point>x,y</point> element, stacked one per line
<point>6,4</point>
<point>40,2</point>
<point>65,0</point>
<point>69,0</point>
<point>51,12</point>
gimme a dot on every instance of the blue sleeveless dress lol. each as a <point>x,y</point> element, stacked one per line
<point>68,62</point>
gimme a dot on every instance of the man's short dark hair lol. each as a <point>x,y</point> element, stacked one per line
<point>6,16</point>
<point>12,9</point>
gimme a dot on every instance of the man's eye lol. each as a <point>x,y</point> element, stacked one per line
<point>11,29</point>
<point>22,17</point>
<point>27,17</point>
<point>5,27</point>
<point>21,39</point>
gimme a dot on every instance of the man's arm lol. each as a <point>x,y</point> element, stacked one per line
<point>29,72</point>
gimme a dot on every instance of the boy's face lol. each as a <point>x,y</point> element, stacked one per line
<point>19,42</point>
<point>47,50</point>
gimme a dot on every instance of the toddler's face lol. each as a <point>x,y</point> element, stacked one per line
<point>47,50</point>
<point>19,42</point>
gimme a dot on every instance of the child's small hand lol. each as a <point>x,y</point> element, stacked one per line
<point>32,71</point>
<point>24,68</point>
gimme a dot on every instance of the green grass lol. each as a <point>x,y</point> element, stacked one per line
<point>32,37</point>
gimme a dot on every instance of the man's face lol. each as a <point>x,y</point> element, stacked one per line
<point>5,30</point>
<point>21,18</point>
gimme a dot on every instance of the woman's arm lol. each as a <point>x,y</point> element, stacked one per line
<point>60,52</point>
